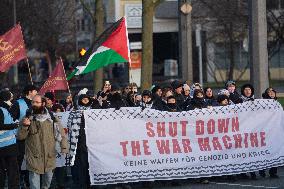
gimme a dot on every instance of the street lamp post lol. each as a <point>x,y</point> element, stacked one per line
<point>185,40</point>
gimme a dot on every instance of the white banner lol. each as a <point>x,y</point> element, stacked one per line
<point>61,159</point>
<point>130,145</point>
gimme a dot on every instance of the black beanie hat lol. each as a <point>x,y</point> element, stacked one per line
<point>5,95</point>
<point>176,84</point>
<point>50,96</point>
<point>221,98</point>
<point>155,89</point>
<point>146,93</point>
<point>29,88</point>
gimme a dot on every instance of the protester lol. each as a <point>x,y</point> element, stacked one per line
<point>59,172</point>
<point>234,95</point>
<point>131,99</point>
<point>19,110</point>
<point>193,87</point>
<point>223,100</point>
<point>177,88</point>
<point>147,101</point>
<point>133,87</point>
<point>116,100</point>
<point>186,91</point>
<point>227,93</point>
<point>42,130</point>
<point>105,90</point>
<point>68,103</point>
<point>197,101</point>
<point>171,105</point>
<point>166,92</point>
<point>125,92</point>
<point>269,93</point>
<point>247,92</point>
<point>158,103</point>
<point>50,99</point>
<point>8,146</point>
<point>81,164</point>
<point>209,97</point>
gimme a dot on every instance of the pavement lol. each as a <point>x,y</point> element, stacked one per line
<point>214,183</point>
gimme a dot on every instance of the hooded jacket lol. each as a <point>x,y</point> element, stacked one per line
<point>40,142</point>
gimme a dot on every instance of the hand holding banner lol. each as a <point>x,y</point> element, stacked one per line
<point>130,145</point>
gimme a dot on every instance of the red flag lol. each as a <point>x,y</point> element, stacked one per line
<point>12,48</point>
<point>56,81</point>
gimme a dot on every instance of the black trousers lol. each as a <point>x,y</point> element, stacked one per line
<point>81,166</point>
<point>24,174</point>
<point>9,164</point>
<point>60,176</point>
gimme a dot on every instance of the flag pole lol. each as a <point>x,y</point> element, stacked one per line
<point>30,74</point>
<point>65,75</point>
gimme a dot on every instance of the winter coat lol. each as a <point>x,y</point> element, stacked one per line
<point>211,101</point>
<point>40,142</point>
<point>196,104</point>
<point>179,99</point>
<point>158,103</point>
<point>235,97</point>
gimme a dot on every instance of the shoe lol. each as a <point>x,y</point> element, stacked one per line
<point>274,176</point>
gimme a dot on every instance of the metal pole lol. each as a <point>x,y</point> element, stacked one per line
<point>185,41</point>
<point>15,67</point>
<point>30,74</point>
<point>199,45</point>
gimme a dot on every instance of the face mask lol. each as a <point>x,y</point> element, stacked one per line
<point>172,105</point>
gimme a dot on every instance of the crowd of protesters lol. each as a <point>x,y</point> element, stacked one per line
<point>29,127</point>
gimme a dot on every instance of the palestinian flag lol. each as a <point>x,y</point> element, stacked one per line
<point>110,48</point>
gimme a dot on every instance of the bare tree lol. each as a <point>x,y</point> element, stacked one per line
<point>147,41</point>
<point>48,24</point>
<point>226,22</point>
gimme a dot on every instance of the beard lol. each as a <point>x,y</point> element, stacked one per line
<point>38,110</point>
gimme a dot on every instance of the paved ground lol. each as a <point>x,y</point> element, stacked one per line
<point>217,183</point>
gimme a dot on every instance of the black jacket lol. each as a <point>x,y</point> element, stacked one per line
<point>158,103</point>
<point>179,99</point>
<point>196,103</point>
<point>235,97</point>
